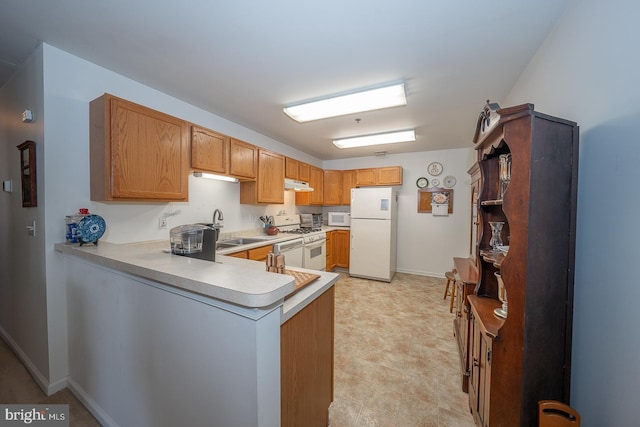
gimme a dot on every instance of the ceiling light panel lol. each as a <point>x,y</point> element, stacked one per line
<point>374,99</point>
<point>380,138</point>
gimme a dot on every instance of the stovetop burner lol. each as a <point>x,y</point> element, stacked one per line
<point>301,230</point>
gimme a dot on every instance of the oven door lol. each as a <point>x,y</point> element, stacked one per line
<point>315,255</point>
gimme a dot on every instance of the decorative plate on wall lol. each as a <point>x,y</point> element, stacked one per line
<point>435,168</point>
<point>422,182</point>
<point>435,182</point>
<point>449,181</point>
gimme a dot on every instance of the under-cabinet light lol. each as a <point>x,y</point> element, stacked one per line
<point>373,99</point>
<point>214,176</point>
<point>380,138</point>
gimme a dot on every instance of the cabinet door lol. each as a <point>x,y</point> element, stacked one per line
<point>332,188</point>
<point>137,153</point>
<point>316,180</point>
<point>304,172</point>
<point>366,177</point>
<point>348,182</point>
<point>391,175</point>
<point>259,254</point>
<point>291,168</point>
<point>331,253</point>
<point>306,360</point>
<point>209,150</point>
<point>341,245</point>
<point>243,159</point>
<point>270,177</point>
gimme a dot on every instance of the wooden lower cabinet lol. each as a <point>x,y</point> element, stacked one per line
<point>331,251</point>
<point>483,329</point>
<point>260,254</point>
<point>306,364</point>
<point>241,254</point>
<point>342,241</point>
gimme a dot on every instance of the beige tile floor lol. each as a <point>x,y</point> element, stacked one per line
<point>395,360</point>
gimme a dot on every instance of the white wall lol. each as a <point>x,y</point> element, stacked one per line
<point>587,71</point>
<point>426,243</point>
<point>23,303</point>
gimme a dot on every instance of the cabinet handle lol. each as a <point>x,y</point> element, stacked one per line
<point>475,362</point>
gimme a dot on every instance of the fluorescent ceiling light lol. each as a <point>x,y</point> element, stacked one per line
<point>374,99</point>
<point>380,138</point>
<point>214,176</point>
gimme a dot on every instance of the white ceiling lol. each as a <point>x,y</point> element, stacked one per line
<point>243,60</point>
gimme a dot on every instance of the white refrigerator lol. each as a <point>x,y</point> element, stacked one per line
<point>374,212</point>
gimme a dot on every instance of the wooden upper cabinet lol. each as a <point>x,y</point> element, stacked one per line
<point>291,168</point>
<point>136,153</point>
<point>304,172</point>
<point>332,188</point>
<point>366,177</point>
<point>243,159</point>
<point>390,175</point>
<point>209,150</point>
<point>348,182</point>
<point>269,185</point>
<point>316,181</point>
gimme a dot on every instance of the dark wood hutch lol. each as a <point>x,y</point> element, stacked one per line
<point>508,365</point>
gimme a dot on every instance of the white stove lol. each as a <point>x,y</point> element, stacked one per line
<point>314,243</point>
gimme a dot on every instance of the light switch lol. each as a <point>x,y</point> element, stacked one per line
<point>7,185</point>
<point>31,229</point>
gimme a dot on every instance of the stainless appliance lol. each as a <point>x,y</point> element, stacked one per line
<point>195,241</point>
<point>373,233</point>
<point>312,221</point>
<point>341,219</point>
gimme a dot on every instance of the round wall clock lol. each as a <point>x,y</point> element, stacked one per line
<point>435,168</point>
<point>422,182</point>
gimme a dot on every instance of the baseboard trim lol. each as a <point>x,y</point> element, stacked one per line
<point>40,379</point>
<point>421,273</point>
<point>91,405</point>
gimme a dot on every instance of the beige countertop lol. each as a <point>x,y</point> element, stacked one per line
<point>237,281</point>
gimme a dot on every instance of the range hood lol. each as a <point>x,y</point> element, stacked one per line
<point>295,185</point>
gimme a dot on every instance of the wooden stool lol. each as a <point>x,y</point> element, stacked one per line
<point>552,413</point>
<point>451,280</point>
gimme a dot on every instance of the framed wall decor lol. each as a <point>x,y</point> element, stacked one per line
<point>434,195</point>
<point>28,174</point>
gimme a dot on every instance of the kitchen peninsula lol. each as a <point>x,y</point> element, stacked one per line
<point>159,339</point>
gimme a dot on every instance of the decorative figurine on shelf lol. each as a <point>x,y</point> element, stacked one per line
<point>502,296</point>
<point>505,173</point>
<point>496,238</point>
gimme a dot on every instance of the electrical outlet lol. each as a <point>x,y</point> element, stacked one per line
<point>162,222</point>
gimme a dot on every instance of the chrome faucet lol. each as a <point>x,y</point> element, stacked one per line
<point>220,216</point>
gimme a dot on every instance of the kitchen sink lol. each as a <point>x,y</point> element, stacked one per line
<point>241,241</point>
<point>232,243</point>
